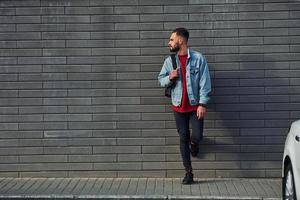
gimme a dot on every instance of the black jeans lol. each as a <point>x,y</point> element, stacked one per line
<point>182,124</point>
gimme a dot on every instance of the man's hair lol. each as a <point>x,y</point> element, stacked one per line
<point>182,32</point>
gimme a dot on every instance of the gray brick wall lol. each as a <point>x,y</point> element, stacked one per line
<point>79,94</point>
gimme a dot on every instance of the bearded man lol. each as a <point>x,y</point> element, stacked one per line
<point>189,95</point>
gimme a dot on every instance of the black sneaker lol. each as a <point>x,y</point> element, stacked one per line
<point>194,149</point>
<point>188,179</point>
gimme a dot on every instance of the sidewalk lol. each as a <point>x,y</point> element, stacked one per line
<point>138,188</point>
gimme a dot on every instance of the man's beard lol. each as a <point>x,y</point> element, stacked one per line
<point>176,48</point>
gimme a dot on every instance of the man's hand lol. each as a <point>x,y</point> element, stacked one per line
<point>201,111</point>
<point>173,74</point>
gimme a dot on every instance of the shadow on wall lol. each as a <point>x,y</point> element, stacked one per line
<point>249,116</point>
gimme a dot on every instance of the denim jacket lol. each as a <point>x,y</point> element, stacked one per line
<point>198,82</point>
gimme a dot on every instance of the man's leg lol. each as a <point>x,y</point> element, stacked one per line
<point>182,124</point>
<point>197,133</point>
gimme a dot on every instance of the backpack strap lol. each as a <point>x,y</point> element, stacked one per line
<point>174,61</point>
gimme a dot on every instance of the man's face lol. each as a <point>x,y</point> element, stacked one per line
<point>174,43</point>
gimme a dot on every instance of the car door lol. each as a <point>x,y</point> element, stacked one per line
<point>297,151</point>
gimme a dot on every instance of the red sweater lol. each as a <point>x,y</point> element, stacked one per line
<point>185,103</point>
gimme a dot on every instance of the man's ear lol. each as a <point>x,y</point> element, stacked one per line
<point>180,40</point>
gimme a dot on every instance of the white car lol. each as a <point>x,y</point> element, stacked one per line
<point>291,164</point>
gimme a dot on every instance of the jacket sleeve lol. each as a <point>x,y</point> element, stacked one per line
<point>205,82</point>
<point>163,77</point>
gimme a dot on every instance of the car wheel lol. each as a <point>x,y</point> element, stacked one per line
<point>288,186</point>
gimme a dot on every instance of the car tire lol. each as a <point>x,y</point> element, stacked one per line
<point>288,184</point>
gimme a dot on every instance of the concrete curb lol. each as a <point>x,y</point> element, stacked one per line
<point>127,197</point>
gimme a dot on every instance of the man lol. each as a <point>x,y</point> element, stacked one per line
<point>189,95</point>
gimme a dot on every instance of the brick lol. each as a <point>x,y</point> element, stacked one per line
<point>43,76</point>
<point>43,158</point>
<point>116,68</point>
<point>140,108</point>
<point>115,35</point>
<point>118,150</point>
<point>7,44</point>
<point>42,125</point>
<point>187,9</point>
<point>19,3</point>
<point>240,107</point>
<point>91,60</point>
<point>67,101</point>
<point>40,44</point>
<point>115,100</point>
<point>189,25</point>
<point>92,125</point>
<point>8,27</point>
<point>64,3</point>
<point>114,18</point>
<point>20,150</point>
<point>260,164</point>
<point>115,51</point>
<point>7,11</point>
<point>39,27</point>
<point>90,43</point>
<point>280,23</point>
<point>113,2</point>
<point>88,10</point>
<point>140,157</point>
<point>138,9</point>
<point>240,91</point>
<point>42,60</point>
<point>166,2</point>
<point>20,19</point>
<point>263,15</point>
<point>20,36</point>
<point>138,92</point>
<point>138,26</point>
<point>68,150</point>
<point>89,27</point>
<point>42,109</point>
<point>8,159</point>
<point>20,52</point>
<point>241,173</point>
<point>160,149</point>
<point>116,117</point>
<point>140,141</point>
<point>67,52</point>
<point>67,117</point>
<point>139,59</point>
<point>67,134</point>
<point>154,34</point>
<point>239,156</point>
<point>263,32</point>
<point>91,92</point>
<point>66,68</point>
<point>65,35</point>
<point>277,6</point>
<point>117,166</point>
<point>264,98</point>
<point>164,17</point>
<point>240,140</point>
<point>237,7</point>
<point>140,125</point>
<point>8,110</point>
<point>20,85</point>
<point>40,11</point>
<point>92,109</point>
<point>261,148</point>
<point>115,84</point>
<point>67,84</point>
<point>65,19</point>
